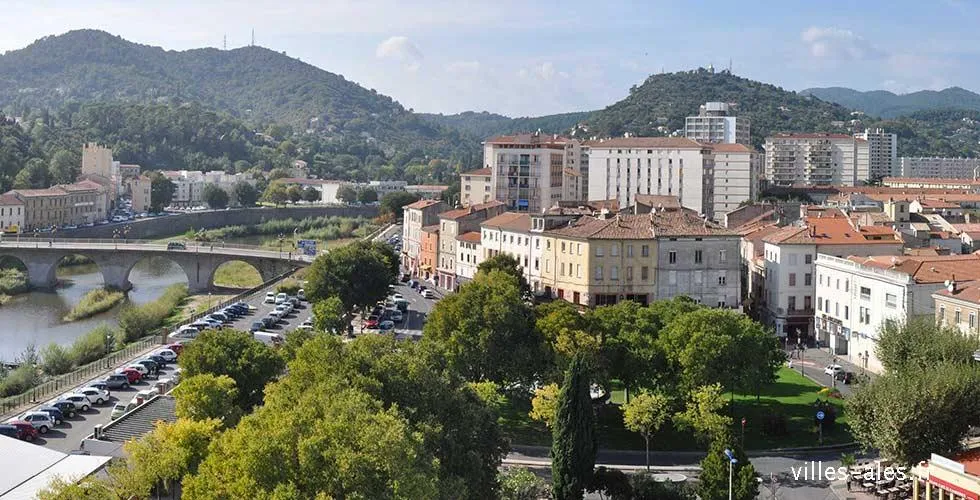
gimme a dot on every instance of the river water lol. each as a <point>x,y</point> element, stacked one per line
<point>36,317</point>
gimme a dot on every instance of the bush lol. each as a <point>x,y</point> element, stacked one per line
<point>289,287</point>
<point>611,483</point>
<point>94,302</point>
<point>12,281</point>
<point>136,322</point>
<point>18,380</point>
<point>93,345</point>
<point>518,483</point>
<point>56,359</point>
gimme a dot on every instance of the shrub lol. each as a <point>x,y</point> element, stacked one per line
<point>93,345</point>
<point>18,380</point>
<point>288,286</point>
<point>518,483</point>
<point>95,302</point>
<point>136,322</point>
<point>12,281</point>
<point>611,483</point>
<point>56,359</point>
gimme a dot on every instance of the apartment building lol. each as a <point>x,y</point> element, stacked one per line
<point>882,152</point>
<point>78,203</point>
<point>620,169</point>
<point>138,189</point>
<point>428,254</point>
<point>857,295</point>
<point>469,256</point>
<point>532,172</point>
<point>736,178</point>
<point>541,249</point>
<point>474,187</point>
<point>452,224</point>
<point>790,255</point>
<point>947,168</point>
<point>812,159</point>
<point>968,184</point>
<point>717,124</point>
<point>384,188</point>
<point>957,304</point>
<point>11,213</point>
<point>415,217</point>
<point>508,233</point>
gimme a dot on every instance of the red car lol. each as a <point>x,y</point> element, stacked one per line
<point>26,431</point>
<point>371,322</point>
<point>176,348</point>
<point>133,375</point>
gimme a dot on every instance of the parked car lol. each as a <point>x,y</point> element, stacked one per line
<point>151,367</point>
<point>117,381</point>
<point>397,296</point>
<point>256,326</point>
<point>67,408</point>
<point>132,374</point>
<point>832,369</point>
<point>39,420</point>
<point>270,298</point>
<point>81,401</point>
<point>219,316</point>
<point>846,377</point>
<point>10,431</point>
<point>156,358</point>
<point>55,414</point>
<point>117,411</point>
<point>428,294</point>
<point>405,277</point>
<point>176,347</point>
<point>94,395</point>
<point>100,385</point>
<point>281,297</point>
<point>371,322</point>
<point>386,325</point>
<point>168,354</point>
<point>301,294</point>
<point>25,431</point>
<point>397,316</point>
<point>269,321</point>
<point>144,371</point>
<point>176,245</point>
<point>294,301</point>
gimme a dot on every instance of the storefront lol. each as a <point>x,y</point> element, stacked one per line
<point>943,478</point>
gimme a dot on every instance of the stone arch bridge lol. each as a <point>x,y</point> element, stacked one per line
<point>116,259</point>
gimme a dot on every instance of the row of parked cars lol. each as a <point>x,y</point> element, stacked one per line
<point>215,320</point>
<point>30,425</point>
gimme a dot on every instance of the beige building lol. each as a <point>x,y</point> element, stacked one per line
<point>958,305</point>
<point>474,187</point>
<point>416,216</point>
<point>736,179</point>
<point>812,159</point>
<point>452,224</point>
<point>533,172</point>
<point>139,189</point>
<point>97,159</point>
<point>11,213</point>
<point>78,203</point>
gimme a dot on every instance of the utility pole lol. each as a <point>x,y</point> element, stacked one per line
<point>224,42</point>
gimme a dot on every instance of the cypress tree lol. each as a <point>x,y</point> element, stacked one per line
<point>573,443</point>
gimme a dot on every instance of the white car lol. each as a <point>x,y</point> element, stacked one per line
<point>833,369</point>
<point>167,354</point>
<point>39,420</point>
<point>396,296</point>
<point>82,402</point>
<point>270,298</point>
<point>301,294</point>
<point>140,368</point>
<point>428,294</point>
<point>95,395</point>
<point>282,297</point>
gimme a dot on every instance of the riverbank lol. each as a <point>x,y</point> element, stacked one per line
<point>95,302</point>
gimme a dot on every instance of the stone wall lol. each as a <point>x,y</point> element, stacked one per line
<point>161,227</point>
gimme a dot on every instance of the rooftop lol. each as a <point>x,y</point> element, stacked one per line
<point>536,139</point>
<point>731,148</point>
<point>831,230</point>
<point>434,229</point>
<point>646,143</point>
<point>481,172</point>
<point>470,237</point>
<point>930,180</point>
<point>419,205</point>
<point>141,420</point>
<point>472,209</point>
<point>9,199</point>
<point>30,193</point>
<point>644,226</point>
<point>658,201</point>
<point>930,203</point>
<point>810,136</point>
<point>509,221</point>
<point>926,269</point>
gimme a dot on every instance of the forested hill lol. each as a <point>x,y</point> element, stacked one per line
<point>255,84</point>
<point>889,105</point>
<point>485,124</point>
<point>664,100</point>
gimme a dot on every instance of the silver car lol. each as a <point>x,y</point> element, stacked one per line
<point>39,420</point>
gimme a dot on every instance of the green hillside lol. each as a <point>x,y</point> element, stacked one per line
<point>889,105</point>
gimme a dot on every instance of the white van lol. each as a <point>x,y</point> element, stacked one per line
<point>268,338</point>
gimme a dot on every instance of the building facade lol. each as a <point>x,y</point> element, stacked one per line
<point>428,254</point>
<point>736,178</point>
<point>475,187</point>
<point>716,124</point>
<point>415,217</point>
<point>882,152</point>
<point>11,213</point>
<point>138,189</point>
<point>836,159</point>
<point>957,304</point>
<point>469,256</point>
<point>64,204</point>
<point>532,172</point>
<point>948,168</point>
<point>620,169</point>
<point>452,224</point>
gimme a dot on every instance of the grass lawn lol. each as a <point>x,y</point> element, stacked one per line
<point>194,304</point>
<point>791,395</point>
<point>237,274</point>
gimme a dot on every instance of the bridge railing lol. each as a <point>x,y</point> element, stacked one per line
<point>191,246</point>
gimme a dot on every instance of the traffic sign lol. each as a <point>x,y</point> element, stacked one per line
<point>820,415</point>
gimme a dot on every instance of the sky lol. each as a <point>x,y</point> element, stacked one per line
<point>527,58</point>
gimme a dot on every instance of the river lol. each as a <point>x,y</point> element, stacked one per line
<point>35,317</point>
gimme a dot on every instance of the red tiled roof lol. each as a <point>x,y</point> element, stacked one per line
<point>966,228</point>
<point>927,269</point>
<point>471,237</point>
<point>643,226</point>
<point>646,143</point>
<point>51,191</point>
<point>480,172</point>
<point>731,148</point>
<point>7,199</point>
<point>827,231</point>
<point>810,136</point>
<point>419,205</point>
<point>930,180</point>
<point>461,212</point>
<point>658,201</point>
<point>927,203</point>
<point>510,221</point>
<point>431,229</point>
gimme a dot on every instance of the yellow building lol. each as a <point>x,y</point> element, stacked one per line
<point>958,306</point>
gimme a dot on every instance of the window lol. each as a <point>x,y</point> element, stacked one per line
<point>722,255</point>
<point>808,259</point>
<point>956,317</point>
<point>847,285</point>
<point>578,249</point>
<point>837,309</point>
<point>847,311</point>
<point>645,250</point>
<point>792,279</point>
<point>807,303</point>
<point>578,270</point>
<point>837,286</point>
<point>697,256</point>
<point>629,273</point>
<point>548,245</point>
<point>973,320</point>
<point>865,293</point>
<point>644,273</point>
<point>614,250</point>
<point>942,314</point>
<point>721,304</point>
<point>598,273</point>
<point>891,301</point>
<point>672,257</point>
<point>792,303</point>
<point>820,303</point>
<point>598,251</point>
<point>629,250</point>
<point>807,279</point>
<point>698,277</point>
<point>563,247</point>
<point>820,278</point>
<point>722,279</point>
<point>561,268</point>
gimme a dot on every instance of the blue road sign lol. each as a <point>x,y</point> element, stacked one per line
<point>307,246</point>
<point>819,415</point>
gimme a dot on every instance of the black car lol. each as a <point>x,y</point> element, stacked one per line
<point>55,414</point>
<point>9,431</point>
<point>846,377</point>
<point>156,358</point>
<point>269,321</point>
<point>67,408</point>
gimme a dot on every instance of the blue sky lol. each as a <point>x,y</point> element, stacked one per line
<point>530,58</point>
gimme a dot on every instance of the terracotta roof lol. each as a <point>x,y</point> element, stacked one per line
<point>431,229</point>
<point>809,136</point>
<point>968,291</point>
<point>471,237</point>
<point>926,269</point>
<point>51,191</point>
<point>643,226</point>
<point>7,199</point>
<point>484,172</point>
<point>419,205</point>
<point>970,460</point>
<point>83,185</point>
<point>546,140</point>
<point>462,212</point>
<point>598,205</point>
<point>731,148</point>
<point>509,221</point>
<point>646,143</point>
<point>927,203</point>
<point>658,200</point>
<point>966,228</point>
<point>827,231</point>
<point>930,180</point>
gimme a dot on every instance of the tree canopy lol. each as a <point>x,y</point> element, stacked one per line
<point>921,344</point>
<point>214,196</point>
<point>574,440</point>
<point>358,274</point>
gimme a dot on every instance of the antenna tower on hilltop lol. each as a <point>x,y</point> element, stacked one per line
<point>253,37</point>
<point>224,42</point>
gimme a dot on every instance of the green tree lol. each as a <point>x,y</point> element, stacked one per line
<point>245,194</point>
<point>275,194</point>
<point>645,414</point>
<point>485,331</point>
<point>346,194</point>
<point>574,442</point>
<point>508,264</point>
<point>311,195</point>
<point>519,483</point>
<point>214,196</point>
<point>921,343</point>
<point>367,195</point>
<point>63,167</point>
<point>713,480</point>
<point>702,413</point>
<point>34,175</point>
<point>358,274</point>
<point>544,404</point>
<point>250,363</point>
<point>393,202</point>
<point>294,193</point>
<point>278,173</point>
<point>207,396</point>
<point>329,316</point>
<point>55,359</point>
<point>161,191</point>
<point>170,452</point>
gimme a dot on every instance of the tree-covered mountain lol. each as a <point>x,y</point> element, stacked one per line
<point>485,124</point>
<point>257,85</point>
<point>659,105</point>
<point>889,105</point>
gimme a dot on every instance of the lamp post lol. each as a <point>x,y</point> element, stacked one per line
<point>731,467</point>
<point>115,238</point>
<point>281,239</point>
<point>126,233</point>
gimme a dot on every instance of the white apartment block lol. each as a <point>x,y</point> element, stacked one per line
<point>532,172</point>
<point>620,169</point>
<point>834,159</point>
<point>736,177</point>
<point>946,168</point>
<point>384,188</point>
<point>474,187</point>
<point>716,124</point>
<point>508,233</point>
<point>882,152</point>
<point>857,295</point>
<point>469,249</point>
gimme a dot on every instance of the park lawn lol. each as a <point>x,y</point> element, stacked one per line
<point>791,395</point>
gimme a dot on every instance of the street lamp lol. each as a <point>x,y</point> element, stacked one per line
<point>282,238</point>
<point>731,466</point>
<point>115,238</point>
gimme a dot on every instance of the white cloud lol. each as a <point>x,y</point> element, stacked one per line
<point>830,43</point>
<point>546,71</point>
<point>463,67</point>
<point>401,49</point>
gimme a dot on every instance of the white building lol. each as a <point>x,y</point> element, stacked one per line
<point>836,159</point>
<point>856,295</point>
<point>474,187</point>
<point>386,187</point>
<point>620,169</point>
<point>189,184</point>
<point>736,177</point>
<point>468,247</point>
<point>882,152</point>
<point>508,233</point>
<point>715,123</point>
<point>532,172</point>
<point>11,213</point>
<point>947,168</point>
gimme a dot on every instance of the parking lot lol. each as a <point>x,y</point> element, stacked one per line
<point>414,318</point>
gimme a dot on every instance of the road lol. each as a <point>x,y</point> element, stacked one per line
<point>67,436</point>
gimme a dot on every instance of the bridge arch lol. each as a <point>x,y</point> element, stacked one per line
<point>236,273</point>
<point>155,270</point>
<point>73,263</point>
<point>8,261</point>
